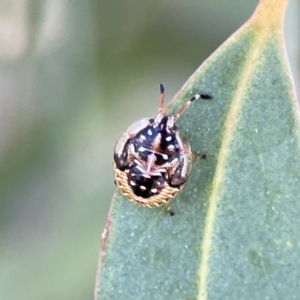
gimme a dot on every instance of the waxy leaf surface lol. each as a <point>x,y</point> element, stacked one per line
<point>235,234</point>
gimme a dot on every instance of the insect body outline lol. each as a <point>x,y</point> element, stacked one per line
<point>151,161</point>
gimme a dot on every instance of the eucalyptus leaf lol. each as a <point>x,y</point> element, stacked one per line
<point>235,234</point>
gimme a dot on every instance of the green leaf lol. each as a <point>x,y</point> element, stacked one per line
<point>235,232</point>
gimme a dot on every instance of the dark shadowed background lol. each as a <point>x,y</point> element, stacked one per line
<point>73,76</point>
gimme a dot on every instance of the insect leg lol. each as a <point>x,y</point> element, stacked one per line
<point>187,104</point>
<point>171,211</point>
<point>202,157</point>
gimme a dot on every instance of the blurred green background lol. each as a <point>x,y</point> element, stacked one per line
<point>73,76</point>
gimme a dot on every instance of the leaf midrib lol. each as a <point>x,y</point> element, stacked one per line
<point>230,126</point>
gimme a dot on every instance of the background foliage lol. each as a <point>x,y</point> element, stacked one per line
<point>73,76</point>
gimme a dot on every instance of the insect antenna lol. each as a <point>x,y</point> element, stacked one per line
<point>187,104</point>
<point>162,98</point>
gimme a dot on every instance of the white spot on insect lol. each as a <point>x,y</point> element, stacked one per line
<point>168,138</point>
<point>153,190</point>
<point>132,183</point>
<point>149,131</point>
<point>142,137</point>
<point>171,147</point>
<point>165,156</point>
<point>142,188</point>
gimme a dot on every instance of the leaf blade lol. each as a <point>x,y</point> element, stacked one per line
<point>214,229</point>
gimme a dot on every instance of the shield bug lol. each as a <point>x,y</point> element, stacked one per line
<point>151,161</point>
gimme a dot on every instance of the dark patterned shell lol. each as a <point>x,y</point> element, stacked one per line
<point>151,162</point>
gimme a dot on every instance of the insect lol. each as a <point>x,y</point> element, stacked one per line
<point>151,161</point>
